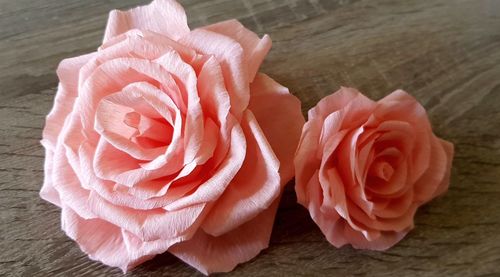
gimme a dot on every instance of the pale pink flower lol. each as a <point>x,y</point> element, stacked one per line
<point>170,139</point>
<point>364,167</point>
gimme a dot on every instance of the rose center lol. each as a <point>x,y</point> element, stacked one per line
<point>382,170</point>
<point>149,132</point>
<point>139,124</point>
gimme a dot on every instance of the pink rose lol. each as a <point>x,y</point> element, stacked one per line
<point>170,139</point>
<point>364,167</point>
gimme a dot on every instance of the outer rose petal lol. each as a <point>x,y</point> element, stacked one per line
<point>332,103</point>
<point>255,49</point>
<point>385,241</point>
<point>280,118</point>
<point>221,254</point>
<point>230,55</point>
<point>306,160</point>
<point>438,173</point>
<point>107,243</point>
<point>67,91</point>
<point>254,187</point>
<point>166,17</point>
<point>67,184</point>
<point>449,150</point>
<point>151,224</point>
<point>48,192</point>
<point>337,230</point>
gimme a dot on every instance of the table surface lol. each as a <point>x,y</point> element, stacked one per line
<point>445,53</point>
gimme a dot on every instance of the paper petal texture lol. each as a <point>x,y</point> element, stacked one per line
<point>168,139</point>
<point>364,167</point>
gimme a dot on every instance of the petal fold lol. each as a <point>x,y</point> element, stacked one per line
<point>166,17</point>
<point>254,187</point>
<point>280,117</point>
<point>255,49</point>
<point>210,254</point>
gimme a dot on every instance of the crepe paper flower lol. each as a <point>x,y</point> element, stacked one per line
<point>170,139</point>
<point>364,167</point>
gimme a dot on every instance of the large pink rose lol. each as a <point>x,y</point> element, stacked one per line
<point>169,139</point>
<point>364,167</point>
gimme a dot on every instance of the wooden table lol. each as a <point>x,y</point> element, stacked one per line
<point>445,53</point>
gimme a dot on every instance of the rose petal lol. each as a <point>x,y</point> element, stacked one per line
<point>48,192</point>
<point>142,44</point>
<point>330,181</point>
<point>135,198</point>
<point>306,163</point>
<point>166,17</point>
<point>71,138</point>
<point>138,44</point>
<point>215,101</point>
<point>345,103</point>
<point>107,243</point>
<point>114,75</point>
<point>221,254</point>
<point>112,164</point>
<point>360,221</point>
<point>280,118</point>
<point>385,241</point>
<point>254,187</point>
<point>209,143</point>
<point>193,132</point>
<point>214,97</point>
<point>396,207</point>
<point>98,238</point>
<point>329,221</point>
<point>400,106</point>
<point>334,102</point>
<point>111,77</point>
<point>67,91</point>
<point>255,49</point>
<point>110,123</point>
<point>449,149</point>
<point>332,187</point>
<point>212,188</point>
<point>436,179</point>
<point>67,184</point>
<point>151,224</point>
<point>345,162</point>
<point>142,251</point>
<point>230,55</point>
<point>394,187</point>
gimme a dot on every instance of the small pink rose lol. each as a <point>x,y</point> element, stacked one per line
<point>170,139</point>
<point>364,167</point>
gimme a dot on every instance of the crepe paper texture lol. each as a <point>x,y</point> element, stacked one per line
<point>364,167</point>
<point>168,139</point>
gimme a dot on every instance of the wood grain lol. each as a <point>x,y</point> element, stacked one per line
<point>446,53</point>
